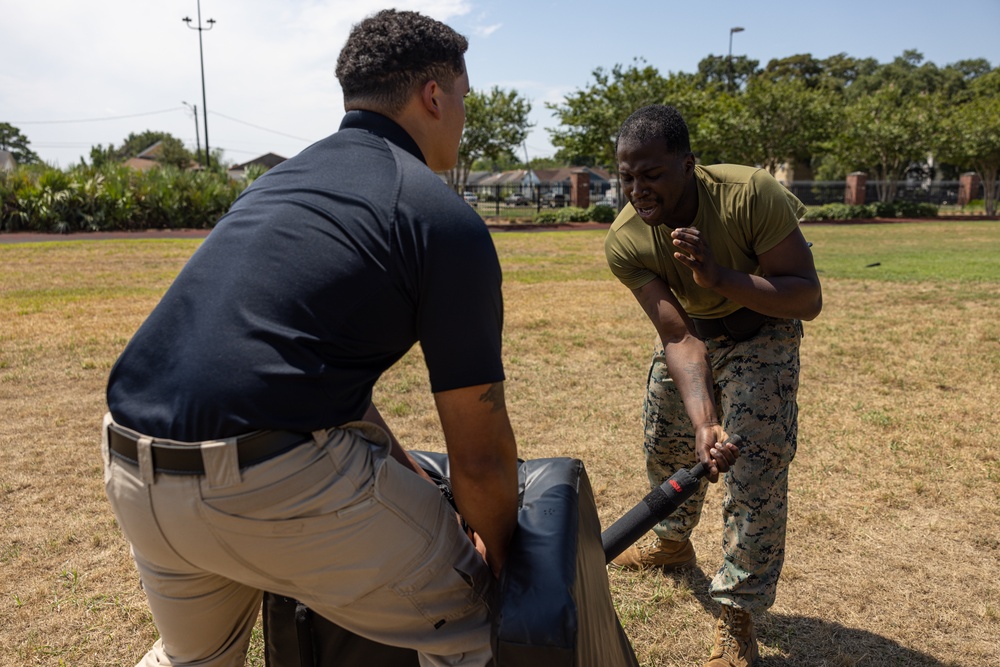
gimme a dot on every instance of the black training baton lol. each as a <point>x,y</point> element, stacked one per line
<point>658,504</point>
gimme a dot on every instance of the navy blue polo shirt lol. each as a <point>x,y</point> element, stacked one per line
<point>324,272</point>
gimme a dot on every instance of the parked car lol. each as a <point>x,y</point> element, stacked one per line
<point>607,200</point>
<point>517,199</point>
<point>470,198</point>
<point>553,199</point>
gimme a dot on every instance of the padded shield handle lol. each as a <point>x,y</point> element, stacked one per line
<point>658,504</point>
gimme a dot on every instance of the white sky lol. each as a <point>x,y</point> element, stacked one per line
<point>127,65</point>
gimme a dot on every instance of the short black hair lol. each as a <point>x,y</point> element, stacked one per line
<point>391,54</point>
<point>656,121</point>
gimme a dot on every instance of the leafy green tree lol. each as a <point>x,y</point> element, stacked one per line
<point>884,133</point>
<point>171,150</point>
<point>496,124</point>
<point>12,141</point>
<point>724,73</point>
<point>973,68</point>
<point>833,74</point>
<point>503,162</point>
<point>801,67</point>
<point>771,123</point>
<point>912,76</point>
<point>970,136</point>
<point>544,163</point>
<point>589,119</point>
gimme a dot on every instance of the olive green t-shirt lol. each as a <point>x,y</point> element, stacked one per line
<point>742,212</point>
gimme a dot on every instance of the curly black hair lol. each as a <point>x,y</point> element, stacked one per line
<point>656,121</point>
<point>391,54</point>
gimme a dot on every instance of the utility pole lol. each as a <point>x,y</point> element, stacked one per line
<point>201,53</point>
<point>197,139</point>
<point>729,60</point>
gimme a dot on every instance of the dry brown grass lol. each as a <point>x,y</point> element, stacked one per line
<point>894,540</point>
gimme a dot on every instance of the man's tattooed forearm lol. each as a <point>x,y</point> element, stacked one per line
<point>494,396</point>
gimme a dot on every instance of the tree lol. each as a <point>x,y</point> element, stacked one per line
<point>833,74</point>
<point>801,67</point>
<point>496,124</point>
<point>12,141</point>
<point>725,73</point>
<point>590,118</point>
<point>970,136</point>
<point>912,76</point>
<point>171,150</point>
<point>884,132</point>
<point>771,123</point>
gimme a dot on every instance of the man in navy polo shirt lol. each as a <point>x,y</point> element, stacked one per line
<point>242,449</point>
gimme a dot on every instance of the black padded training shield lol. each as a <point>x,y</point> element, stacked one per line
<point>554,607</point>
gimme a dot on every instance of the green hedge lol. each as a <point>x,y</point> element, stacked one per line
<point>42,199</point>
<point>898,209</point>
<point>594,213</point>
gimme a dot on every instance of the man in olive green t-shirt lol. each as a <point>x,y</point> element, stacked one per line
<point>715,257</point>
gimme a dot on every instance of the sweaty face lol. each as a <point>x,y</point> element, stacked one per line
<point>657,182</point>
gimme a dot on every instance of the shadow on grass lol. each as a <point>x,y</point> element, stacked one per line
<point>801,640</point>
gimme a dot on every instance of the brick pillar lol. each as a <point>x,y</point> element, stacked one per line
<point>854,192</point>
<point>969,186</point>
<point>579,189</point>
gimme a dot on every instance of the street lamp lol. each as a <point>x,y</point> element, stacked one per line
<point>201,53</point>
<point>197,139</point>
<point>729,60</point>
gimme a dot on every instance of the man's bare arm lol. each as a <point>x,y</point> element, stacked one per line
<point>690,369</point>
<point>789,287</point>
<point>482,454</point>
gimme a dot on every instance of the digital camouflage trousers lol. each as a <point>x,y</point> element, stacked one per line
<point>756,382</point>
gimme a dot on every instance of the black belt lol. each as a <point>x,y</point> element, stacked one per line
<point>174,459</point>
<point>740,325</point>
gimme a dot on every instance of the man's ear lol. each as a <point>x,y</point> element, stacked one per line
<point>689,163</point>
<point>429,95</point>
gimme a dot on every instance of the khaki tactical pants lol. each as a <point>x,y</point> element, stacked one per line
<point>335,523</point>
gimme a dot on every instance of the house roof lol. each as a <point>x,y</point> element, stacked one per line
<point>513,177</point>
<point>142,163</point>
<point>267,160</point>
<point>151,153</point>
<point>562,174</point>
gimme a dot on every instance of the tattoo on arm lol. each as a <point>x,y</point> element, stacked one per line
<point>494,396</point>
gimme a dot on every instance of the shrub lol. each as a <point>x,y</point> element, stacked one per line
<point>571,214</point>
<point>112,197</point>
<point>897,209</point>
<point>601,213</point>
<point>839,212</point>
<point>545,218</point>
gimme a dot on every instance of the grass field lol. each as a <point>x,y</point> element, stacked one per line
<point>894,535</point>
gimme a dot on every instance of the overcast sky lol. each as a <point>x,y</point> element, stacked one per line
<point>75,74</point>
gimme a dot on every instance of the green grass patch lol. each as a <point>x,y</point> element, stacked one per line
<point>966,252</point>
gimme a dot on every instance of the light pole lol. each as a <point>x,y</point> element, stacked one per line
<point>197,139</point>
<point>201,53</point>
<point>729,60</point>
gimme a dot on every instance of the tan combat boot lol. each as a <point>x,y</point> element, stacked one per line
<point>669,556</point>
<point>735,640</point>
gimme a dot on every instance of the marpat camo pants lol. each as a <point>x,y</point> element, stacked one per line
<point>756,382</point>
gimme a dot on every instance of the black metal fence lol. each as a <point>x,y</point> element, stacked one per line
<point>515,199</point>
<point>814,193</point>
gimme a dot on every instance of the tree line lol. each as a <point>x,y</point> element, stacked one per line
<point>828,117</point>
<point>833,116</point>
